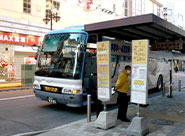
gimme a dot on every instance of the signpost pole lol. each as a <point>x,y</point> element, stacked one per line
<point>170,87</point>
<point>138,110</point>
<point>104,106</point>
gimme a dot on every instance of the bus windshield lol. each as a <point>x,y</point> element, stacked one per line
<point>61,55</point>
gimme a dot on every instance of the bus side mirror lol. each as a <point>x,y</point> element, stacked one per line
<point>37,53</point>
<point>82,47</point>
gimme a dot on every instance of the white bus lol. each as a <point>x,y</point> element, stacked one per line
<point>66,68</point>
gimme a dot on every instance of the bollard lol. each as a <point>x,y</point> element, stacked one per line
<point>170,87</point>
<point>179,85</point>
<point>164,90</point>
<point>170,92</point>
<point>88,108</point>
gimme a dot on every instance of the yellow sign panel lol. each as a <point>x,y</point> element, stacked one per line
<point>103,75</point>
<point>140,52</point>
<point>103,52</point>
<point>139,82</point>
<point>103,69</point>
<point>103,81</point>
<point>103,66</point>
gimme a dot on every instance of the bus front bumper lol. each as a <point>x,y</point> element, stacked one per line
<point>70,100</point>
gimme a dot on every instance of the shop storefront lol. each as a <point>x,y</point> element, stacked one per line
<point>15,49</point>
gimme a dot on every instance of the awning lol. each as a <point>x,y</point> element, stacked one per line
<point>147,26</point>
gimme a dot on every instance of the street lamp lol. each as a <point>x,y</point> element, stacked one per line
<point>53,14</point>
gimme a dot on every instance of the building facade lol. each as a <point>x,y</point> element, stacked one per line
<point>140,7</point>
<point>173,14</point>
<point>20,28</point>
<point>22,25</point>
<point>115,9</point>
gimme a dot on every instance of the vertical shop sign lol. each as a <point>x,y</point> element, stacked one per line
<point>104,70</point>
<point>139,87</point>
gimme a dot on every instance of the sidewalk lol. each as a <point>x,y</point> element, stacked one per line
<point>164,117</point>
<point>178,74</point>
<point>12,85</point>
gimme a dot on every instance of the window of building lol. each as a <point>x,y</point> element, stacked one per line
<point>27,6</point>
<point>114,8</point>
<point>158,11</point>
<point>170,12</point>
<point>133,8</point>
<point>143,7</point>
<point>126,7</point>
<point>56,5</point>
<point>48,12</point>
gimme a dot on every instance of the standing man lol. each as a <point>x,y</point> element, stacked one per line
<point>122,86</point>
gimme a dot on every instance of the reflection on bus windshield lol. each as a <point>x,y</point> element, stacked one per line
<point>61,56</point>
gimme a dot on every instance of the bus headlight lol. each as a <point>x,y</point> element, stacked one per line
<point>67,91</point>
<point>36,86</point>
<point>75,91</point>
<point>71,91</point>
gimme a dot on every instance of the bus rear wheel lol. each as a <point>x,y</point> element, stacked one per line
<point>160,83</point>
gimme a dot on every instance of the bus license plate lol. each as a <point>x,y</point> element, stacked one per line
<point>52,100</point>
<point>51,89</point>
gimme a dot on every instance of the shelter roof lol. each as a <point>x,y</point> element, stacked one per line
<point>147,26</point>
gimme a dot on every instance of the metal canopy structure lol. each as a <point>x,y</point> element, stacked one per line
<point>147,26</point>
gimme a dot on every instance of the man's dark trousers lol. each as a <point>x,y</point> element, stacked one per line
<point>122,105</point>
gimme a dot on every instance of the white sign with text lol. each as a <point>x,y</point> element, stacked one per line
<point>139,87</point>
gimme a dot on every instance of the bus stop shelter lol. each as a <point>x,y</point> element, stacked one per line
<point>158,31</point>
<point>147,26</point>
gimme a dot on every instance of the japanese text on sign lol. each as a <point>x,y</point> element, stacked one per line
<point>103,70</point>
<point>139,86</point>
<point>139,52</point>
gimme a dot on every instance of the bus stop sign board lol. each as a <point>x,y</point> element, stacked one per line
<point>139,87</point>
<point>104,70</point>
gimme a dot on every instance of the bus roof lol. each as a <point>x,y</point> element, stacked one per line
<point>72,29</point>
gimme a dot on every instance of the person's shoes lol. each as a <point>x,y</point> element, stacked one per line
<point>144,105</point>
<point>124,119</point>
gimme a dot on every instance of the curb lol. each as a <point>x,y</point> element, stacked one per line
<point>31,133</point>
<point>14,89</point>
<point>52,129</point>
<point>93,118</point>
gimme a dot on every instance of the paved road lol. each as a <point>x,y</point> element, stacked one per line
<point>21,112</point>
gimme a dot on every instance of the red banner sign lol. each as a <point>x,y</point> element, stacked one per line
<point>89,3</point>
<point>18,39</point>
